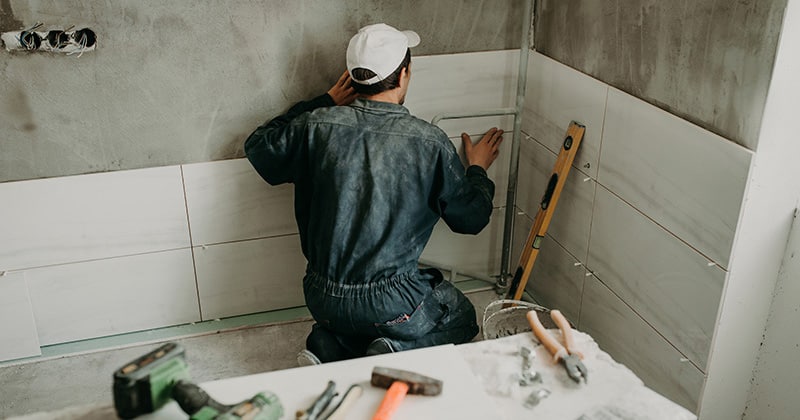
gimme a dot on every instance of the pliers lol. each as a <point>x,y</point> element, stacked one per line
<point>566,354</point>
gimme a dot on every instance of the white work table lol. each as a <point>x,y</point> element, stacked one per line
<point>480,381</point>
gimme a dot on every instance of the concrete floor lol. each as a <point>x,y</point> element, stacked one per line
<point>85,379</point>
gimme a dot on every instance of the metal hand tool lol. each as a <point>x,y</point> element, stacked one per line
<point>340,411</point>
<point>319,405</point>
<point>566,354</point>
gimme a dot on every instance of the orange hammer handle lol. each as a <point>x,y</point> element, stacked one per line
<point>394,396</point>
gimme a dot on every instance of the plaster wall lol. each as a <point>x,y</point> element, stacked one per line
<point>777,376</point>
<point>184,82</point>
<point>747,348</point>
<point>707,61</point>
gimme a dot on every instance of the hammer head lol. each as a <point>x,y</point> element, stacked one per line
<point>417,384</point>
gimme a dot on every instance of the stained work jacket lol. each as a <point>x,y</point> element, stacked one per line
<point>371,181</point>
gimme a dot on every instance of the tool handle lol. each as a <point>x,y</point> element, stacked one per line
<point>548,341</point>
<point>394,396</point>
<point>348,400</point>
<point>191,398</point>
<point>566,332</point>
<point>322,401</point>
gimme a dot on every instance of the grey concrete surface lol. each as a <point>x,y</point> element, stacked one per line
<point>184,82</point>
<point>84,381</point>
<point>708,61</point>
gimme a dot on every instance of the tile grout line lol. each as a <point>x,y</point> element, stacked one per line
<point>155,339</point>
<point>191,244</point>
<point>638,315</point>
<point>184,331</point>
<point>588,246</point>
<point>594,203</point>
<point>664,228</point>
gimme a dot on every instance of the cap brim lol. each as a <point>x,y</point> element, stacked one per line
<point>413,38</point>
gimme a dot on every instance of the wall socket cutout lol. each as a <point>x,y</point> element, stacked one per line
<point>66,41</point>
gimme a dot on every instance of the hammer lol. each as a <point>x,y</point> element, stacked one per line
<point>400,383</point>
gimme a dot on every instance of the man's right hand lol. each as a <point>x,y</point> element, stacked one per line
<point>342,93</point>
<point>484,152</point>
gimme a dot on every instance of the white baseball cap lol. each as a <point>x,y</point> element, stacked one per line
<point>380,48</point>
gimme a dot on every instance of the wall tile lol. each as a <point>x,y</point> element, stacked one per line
<point>79,218</point>
<point>456,83</point>
<point>685,178</point>
<point>499,170</point>
<point>630,341</point>
<point>228,201</point>
<point>17,325</point>
<point>556,95</point>
<point>113,296</point>
<point>470,82</point>
<point>555,282</point>
<point>665,281</point>
<point>479,253</point>
<point>572,217</point>
<point>251,276</point>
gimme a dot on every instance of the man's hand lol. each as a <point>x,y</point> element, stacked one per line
<point>342,93</point>
<point>484,152</point>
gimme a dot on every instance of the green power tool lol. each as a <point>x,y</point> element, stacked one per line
<point>147,383</point>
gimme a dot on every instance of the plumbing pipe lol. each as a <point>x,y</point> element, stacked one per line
<point>522,78</point>
<point>501,285</point>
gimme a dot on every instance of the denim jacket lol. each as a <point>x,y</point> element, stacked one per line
<point>371,181</point>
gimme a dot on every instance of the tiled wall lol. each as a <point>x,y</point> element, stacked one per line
<point>102,254</point>
<point>637,251</point>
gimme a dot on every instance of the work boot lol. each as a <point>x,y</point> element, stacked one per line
<point>306,358</point>
<point>379,345</point>
<point>325,345</point>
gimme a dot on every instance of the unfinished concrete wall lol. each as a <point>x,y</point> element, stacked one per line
<point>183,82</point>
<point>708,61</point>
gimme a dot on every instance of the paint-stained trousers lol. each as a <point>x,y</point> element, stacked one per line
<point>411,310</point>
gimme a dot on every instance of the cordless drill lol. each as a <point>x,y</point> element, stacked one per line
<point>147,383</point>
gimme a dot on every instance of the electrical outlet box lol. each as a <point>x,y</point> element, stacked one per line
<point>54,41</point>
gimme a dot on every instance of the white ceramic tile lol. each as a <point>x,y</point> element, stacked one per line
<point>479,253</point>
<point>498,172</point>
<point>17,326</point>
<point>78,218</point>
<point>522,225</point>
<point>556,95</point>
<point>687,179</point>
<point>459,83</point>
<point>468,82</point>
<point>228,201</point>
<point>572,217</point>
<point>556,282</point>
<point>630,341</point>
<point>113,296</point>
<point>665,281</point>
<point>250,276</point>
